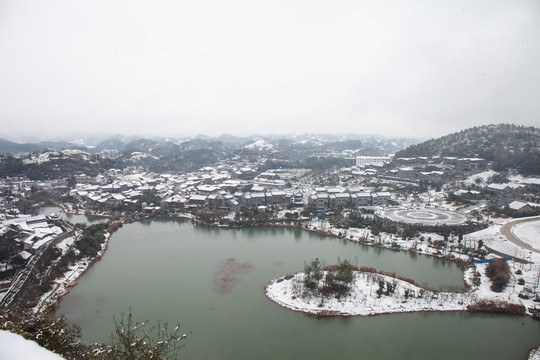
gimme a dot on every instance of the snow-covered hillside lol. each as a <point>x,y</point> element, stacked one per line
<point>260,145</point>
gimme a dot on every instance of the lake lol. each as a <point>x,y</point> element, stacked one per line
<point>72,218</point>
<point>211,281</point>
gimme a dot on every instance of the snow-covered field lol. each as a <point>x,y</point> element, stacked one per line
<point>13,346</point>
<point>529,233</point>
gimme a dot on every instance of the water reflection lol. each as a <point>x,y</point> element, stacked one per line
<point>146,222</point>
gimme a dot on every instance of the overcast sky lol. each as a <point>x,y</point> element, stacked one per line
<point>398,68</point>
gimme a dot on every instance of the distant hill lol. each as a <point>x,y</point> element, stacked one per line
<point>508,146</point>
<point>12,148</point>
<point>47,160</point>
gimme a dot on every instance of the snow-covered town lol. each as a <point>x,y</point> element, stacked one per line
<point>237,192</point>
<point>457,209</point>
<point>269,180</point>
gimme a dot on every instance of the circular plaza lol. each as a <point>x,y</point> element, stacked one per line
<point>424,216</point>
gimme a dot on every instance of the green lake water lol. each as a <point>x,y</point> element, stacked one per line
<point>171,270</point>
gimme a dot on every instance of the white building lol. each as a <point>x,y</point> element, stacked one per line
<point>362,161</point>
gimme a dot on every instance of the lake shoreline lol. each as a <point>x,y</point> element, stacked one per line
<point>69,279</point>
<point>466,267</point>
<point>261,284</point>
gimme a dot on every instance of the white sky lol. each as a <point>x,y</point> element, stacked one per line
<point>399,68</point>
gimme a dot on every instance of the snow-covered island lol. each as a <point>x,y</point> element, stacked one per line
<point>370,293</point>
<point>373,293</point>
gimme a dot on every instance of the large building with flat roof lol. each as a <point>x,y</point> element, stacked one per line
<point>363,161</point>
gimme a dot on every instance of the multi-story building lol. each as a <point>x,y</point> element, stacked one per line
<point>363,161</point>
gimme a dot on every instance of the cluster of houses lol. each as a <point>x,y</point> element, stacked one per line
<point>214,188</point>
<point>325,198</point>
<point>527,190</point>
<point>218,189</point>
<point>21,184</point>
<point>414,176</point>
<point>415,170</point>
<point>233,184</point>
<point>221,200</point>
<point>460,165</point>
<point>522,197</point>
<point>25,235</point>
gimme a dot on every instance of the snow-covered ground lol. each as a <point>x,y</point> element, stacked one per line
<point>480,178</point>
<point>13,346</point>
<point>38,158</point>
<point>363,299</point>
<point>423,244</point>
<point>425,216</point>
<point>490,236</point>
<point>534,354</point>
<point>260,145</point>
<point>529,233</point>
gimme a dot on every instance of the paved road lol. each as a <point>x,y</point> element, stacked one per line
<point>506,230</point>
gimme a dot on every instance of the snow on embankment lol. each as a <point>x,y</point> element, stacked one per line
<point>13,346</point>
<point>365,297</point>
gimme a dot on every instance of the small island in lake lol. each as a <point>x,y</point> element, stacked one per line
<point>347,290</point>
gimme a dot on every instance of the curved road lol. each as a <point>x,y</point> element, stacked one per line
<point>506,230</point>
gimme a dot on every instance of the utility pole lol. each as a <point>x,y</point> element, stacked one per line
<point>537,282</point>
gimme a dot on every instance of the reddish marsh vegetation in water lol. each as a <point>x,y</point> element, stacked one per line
<point>226,276</point>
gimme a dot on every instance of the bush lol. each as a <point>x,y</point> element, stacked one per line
<point>46,329</point>
<point>130,340</point>
<point>499,273</point>
<point>133,340</point>
<point>497,306</point>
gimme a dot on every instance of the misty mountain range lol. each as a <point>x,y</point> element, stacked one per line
<point>508,146</point>
<point>368,144</point>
